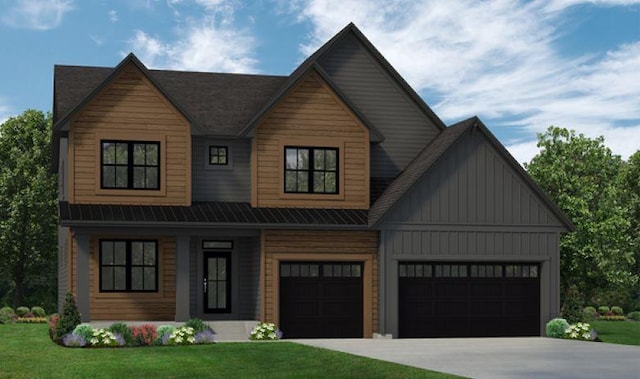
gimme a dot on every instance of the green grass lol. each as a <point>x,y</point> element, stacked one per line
<point>27,352</point>
<point>620,332</point>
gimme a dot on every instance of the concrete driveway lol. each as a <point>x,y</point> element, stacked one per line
<point>533,357</point>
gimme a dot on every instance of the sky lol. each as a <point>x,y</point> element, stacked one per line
<point>520,66</point>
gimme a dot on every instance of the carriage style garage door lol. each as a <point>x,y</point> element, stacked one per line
<point>468,300</point>
<point>321,299</point>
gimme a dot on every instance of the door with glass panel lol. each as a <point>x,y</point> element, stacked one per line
<point>217,282</point>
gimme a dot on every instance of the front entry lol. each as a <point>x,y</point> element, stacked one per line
<point>217,282</point>
<point>321,299</point>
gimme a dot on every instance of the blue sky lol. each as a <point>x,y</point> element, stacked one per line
<point>519,65</point>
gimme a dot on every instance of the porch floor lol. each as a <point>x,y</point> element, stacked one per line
<point>226,331</point>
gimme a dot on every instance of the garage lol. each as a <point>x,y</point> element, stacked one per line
<point>468,299</point>
<point>321,299</point>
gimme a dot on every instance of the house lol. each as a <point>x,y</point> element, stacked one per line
<point>332,202</point>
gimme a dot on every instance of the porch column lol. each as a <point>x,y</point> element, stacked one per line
<point>182,278</point>
<point>82,283</point>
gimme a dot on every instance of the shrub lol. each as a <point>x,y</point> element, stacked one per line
<point>54,319</point>
<point>22,311</point>
<point>571,308</point>
<point>163,331</point>
<point>611,318</point>
<point>123,330</point>
<point>84,330</point>
<point>74,340</point>
<point>556,328</point>
<point>617,311</point>
<point>144,335</point>
<point>31,320</point>
<point>183,335</point>
<point>197,325</point>
<point>38,312</point>
<point>635,316</point>
<point>106,338</point>
<point>589,313</point>
<point>579,331</point>
<point>205,336</point>
<point>69,319</point>
<point>265,331</point>
<point>7,315</point>
<point>603,309</point>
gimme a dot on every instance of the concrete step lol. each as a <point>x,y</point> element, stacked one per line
<point>226,331</point>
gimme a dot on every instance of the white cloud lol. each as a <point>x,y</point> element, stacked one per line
<point>5,112</point>
<point>113,15</point>
<point>36,14</point>
<point>209,43</point>
<point>497,59</point>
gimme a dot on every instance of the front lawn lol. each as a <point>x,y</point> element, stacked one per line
<point>27,352</point>
<point>621,332</point>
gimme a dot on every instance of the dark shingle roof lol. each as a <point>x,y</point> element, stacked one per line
<point>220,104</point>
<point>207,213</point>
<point>414,171</point>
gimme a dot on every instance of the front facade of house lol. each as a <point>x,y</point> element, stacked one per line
<point>332,202</point>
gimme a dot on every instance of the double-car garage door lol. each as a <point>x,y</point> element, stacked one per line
<point>468,300</point>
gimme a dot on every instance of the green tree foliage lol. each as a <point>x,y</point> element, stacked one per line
<point>582,176</point>
<point>630,183</point>
<point>27,211</point>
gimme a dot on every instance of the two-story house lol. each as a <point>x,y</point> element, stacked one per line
<point>332,202</point>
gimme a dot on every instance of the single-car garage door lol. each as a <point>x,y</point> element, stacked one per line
<point>321,299</point>
<point>468,300</point>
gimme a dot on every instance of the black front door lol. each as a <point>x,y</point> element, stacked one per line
<point>217,282</point>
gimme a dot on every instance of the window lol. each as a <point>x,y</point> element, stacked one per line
<point>311,170</point>
<point>218,155</point>
<point>128,266</point>
<point>130,165</point>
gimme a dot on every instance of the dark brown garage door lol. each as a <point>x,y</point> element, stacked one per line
<point>468,300</point>
<point>321,299</point>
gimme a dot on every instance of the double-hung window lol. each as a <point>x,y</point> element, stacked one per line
<point>128,266</point>
<point>130,165</point>
<point>311,170</point>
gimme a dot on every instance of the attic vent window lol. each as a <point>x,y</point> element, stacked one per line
<point>218,155</point>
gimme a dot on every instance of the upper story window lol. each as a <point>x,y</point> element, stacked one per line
<point>130,165</point>
<point>311,170</point>
<point>128,266</point>
<point>218,155</point>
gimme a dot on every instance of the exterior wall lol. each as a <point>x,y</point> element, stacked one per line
<point>130,108</point>
<point>311,115</point>
<point>283,245</point>
<point>221,183</point>
<point>63,168</point>
<point>472,206</point>
<point>63,264</point>
<point>406,129</point>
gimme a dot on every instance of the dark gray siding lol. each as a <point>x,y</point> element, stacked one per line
<point>62,267</point>
<point>472,184</point>
<point>231,183</point>
<point>471,206</point>
<point>383,102</point>
<point>248,256</point>
<point>63,167</point>
<point>195,279</point>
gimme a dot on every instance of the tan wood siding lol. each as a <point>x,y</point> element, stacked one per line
<point>130,108</point>
<point>311,115</point>
<point>282,245</point>
<point>135,306</point>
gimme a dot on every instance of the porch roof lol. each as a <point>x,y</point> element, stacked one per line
<point>208,213</point>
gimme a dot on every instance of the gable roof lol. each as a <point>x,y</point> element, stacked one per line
<point>432,153</point>
<point>312,62</point>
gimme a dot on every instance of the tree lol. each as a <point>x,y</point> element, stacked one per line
<point>582,176</point>
<point>28,209</point>
<point>630,183</point>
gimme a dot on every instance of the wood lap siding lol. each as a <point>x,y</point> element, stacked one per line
<point>135,306</point>
<point>315,244</point>
<point>311,111</point>
<point>130,106</point>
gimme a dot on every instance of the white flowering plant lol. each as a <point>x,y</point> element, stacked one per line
<point>105,338</point>
<point>579,331</point>
<point>183,335</point>
<point>265,331</point>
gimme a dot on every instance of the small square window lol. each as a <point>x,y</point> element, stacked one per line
<point>218,155</point>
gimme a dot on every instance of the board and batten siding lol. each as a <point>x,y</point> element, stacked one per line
<point>301,245</point>
<point>406,129</point>
<point>130,108</point>
<point>311,115</point>
<point>221,183</point>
